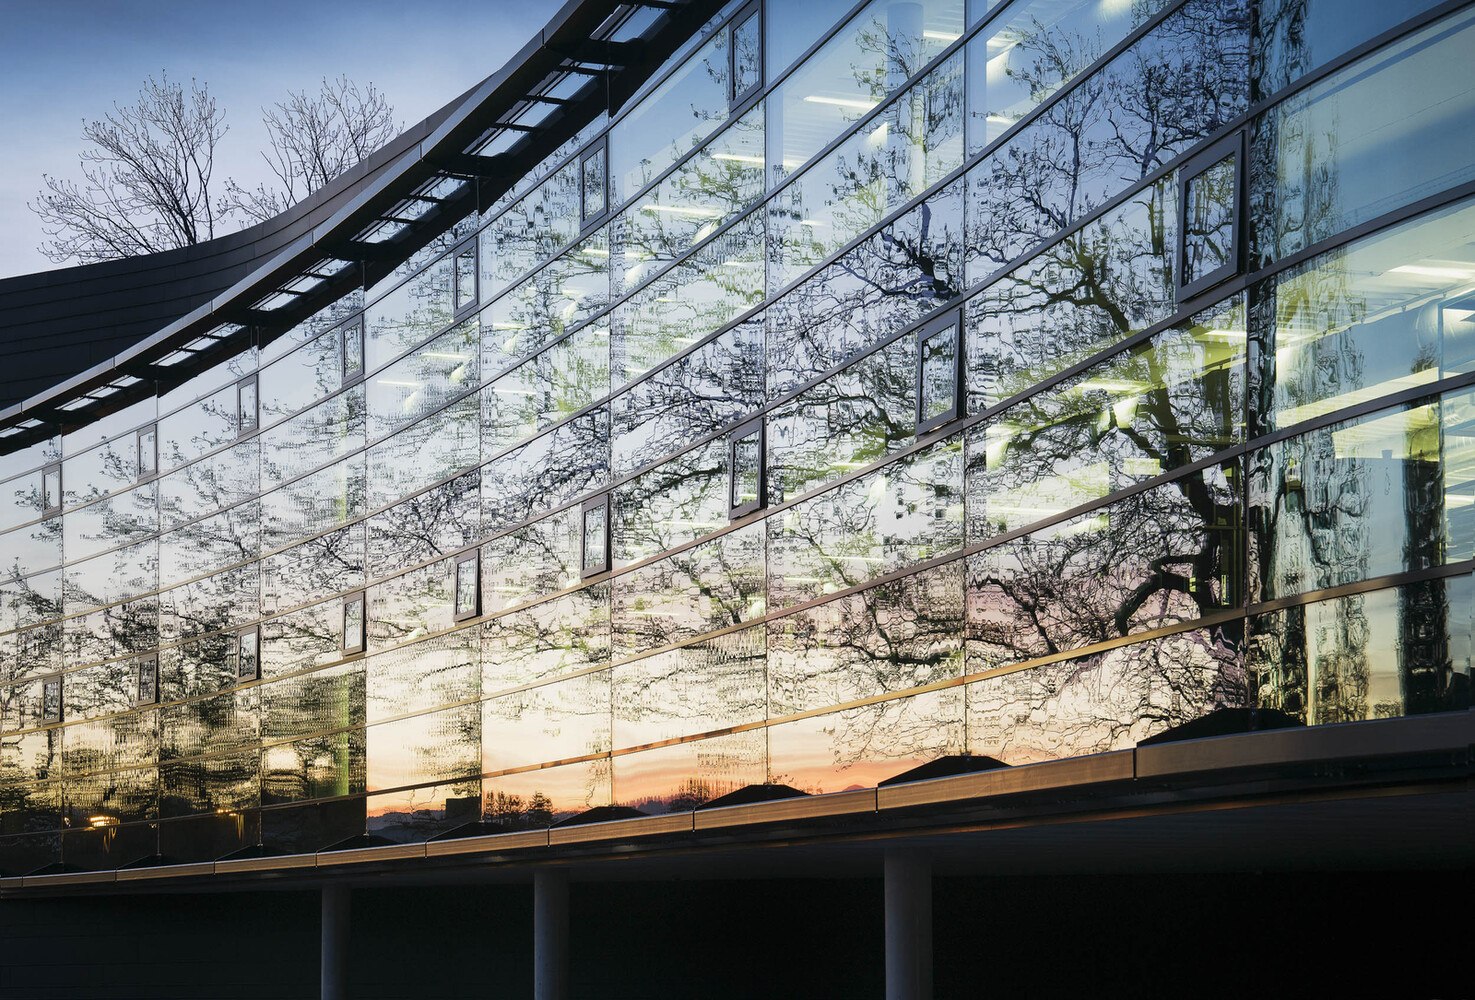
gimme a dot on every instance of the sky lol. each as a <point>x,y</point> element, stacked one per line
<point>62,61</point>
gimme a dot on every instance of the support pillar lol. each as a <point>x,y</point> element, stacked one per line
<point>335,943</point>
<point>908,925</point>
<point>550,934</point>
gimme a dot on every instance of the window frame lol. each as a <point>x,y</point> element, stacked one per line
<point>1231,145</point>
<point>242,428</point>
<point>255,674</point>
<point>734,436</point>
<point>951,319</point>
<point>461,309</point>
<point>470,556</point>
<point>138,453</point>
<point>54,507</point>
<point>359,641</point>
<point>146,666</point>
<point>736,98</point>
<point>48,717</point>
<point>599,147</point>
<point>586,571</point>
<point>354,330</point>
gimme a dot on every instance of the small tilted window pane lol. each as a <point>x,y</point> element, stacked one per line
<point>248,658</point>
<point>1208,233</point>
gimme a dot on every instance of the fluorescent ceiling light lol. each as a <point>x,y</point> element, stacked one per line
<point>859,103</point>
<point>739,158</point>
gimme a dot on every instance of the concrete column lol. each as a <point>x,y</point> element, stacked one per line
<point>335,943</point>
<point>550,934</point>
<point>908,925</point>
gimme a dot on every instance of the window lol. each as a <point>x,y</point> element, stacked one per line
<point>1209,205</point>
<point>51,699</point>
<point>746,479</point>
<point>594,552</point>
<point>351,352</point>
<point>148,451</point>
<point>466,278</point>
<point>939,372</point>
<point>593,183</point>
<point>354,623</point>
<point>51,490</point>
<point>146,673</point>
<point>247,412</point>
<point>746,53</point>
<point>468,585</point>
<point>248,655</point>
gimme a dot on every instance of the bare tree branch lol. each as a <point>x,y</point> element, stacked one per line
<point>314,138</point>
<point>145,179</point>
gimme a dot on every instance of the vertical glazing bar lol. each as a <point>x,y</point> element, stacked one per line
<point>550,934</point>
<point>908,925</point>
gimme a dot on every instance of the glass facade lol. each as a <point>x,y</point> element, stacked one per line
<point>883,382</point>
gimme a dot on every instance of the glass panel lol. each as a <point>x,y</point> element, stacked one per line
<point>899,515</point>
<point>1035,49</point>
<point>424,381</point>
<point>1155,559</point>
<point>1106,701</point>
<point>1390,128</point>
<point>873,55</point>
<point>1097,287</point>
<point>1163,404</point>
<point>1386,493</point>
<point>1402,651</point>
<point>1180,83</point>
<point>673,119</point>
<point>910,146</point>
<point>848,421</point>
<point>1294,37</point>
<point>674,503</point>
<point>691,203</point>
<point>1386,314</point>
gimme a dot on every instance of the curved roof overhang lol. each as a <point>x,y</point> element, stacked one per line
<point>590,57</point>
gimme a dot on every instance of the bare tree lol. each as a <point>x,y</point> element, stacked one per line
<point>314,138</point>
<point>145,179</point>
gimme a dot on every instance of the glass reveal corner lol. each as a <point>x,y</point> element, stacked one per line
<point>746,477</point>
<point>146,677</point>
<point>1210,197</point>
<point>594,556</point>
<point>248,655</point>
<point>468,585</point>
<point>939,372</point>
<point>354,623</point>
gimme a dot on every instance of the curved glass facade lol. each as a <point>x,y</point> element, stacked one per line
<point>1019,379</point>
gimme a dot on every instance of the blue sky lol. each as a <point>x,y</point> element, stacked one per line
<point>65,60</point>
